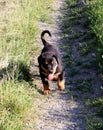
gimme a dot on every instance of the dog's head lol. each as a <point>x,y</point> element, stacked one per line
<point>49,63</point>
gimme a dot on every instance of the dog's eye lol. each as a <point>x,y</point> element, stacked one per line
<point>52,62</point>
<point>46,63</point>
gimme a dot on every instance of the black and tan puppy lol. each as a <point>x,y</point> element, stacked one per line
<point>50,66</point>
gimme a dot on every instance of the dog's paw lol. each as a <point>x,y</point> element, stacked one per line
<point>61,88</point>
<point>46,92</point>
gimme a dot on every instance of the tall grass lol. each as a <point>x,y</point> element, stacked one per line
<point>18,33</point>
<point>14,103</point>
<point>95,18</point>
<point>95,22</point>
<point>19,26</point>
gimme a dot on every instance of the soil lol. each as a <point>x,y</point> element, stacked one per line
<point>65,110</point>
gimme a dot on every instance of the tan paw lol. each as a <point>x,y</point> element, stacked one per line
<point>46,92</point>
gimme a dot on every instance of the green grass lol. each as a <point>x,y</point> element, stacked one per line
<point>19,29</point>
<point>95,120</point>
<point>14,104</point>
<point>95,22</point>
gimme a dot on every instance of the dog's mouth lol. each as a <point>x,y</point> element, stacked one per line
<point>51,74</point>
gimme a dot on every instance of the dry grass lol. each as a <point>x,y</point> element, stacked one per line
<point>18,32</point>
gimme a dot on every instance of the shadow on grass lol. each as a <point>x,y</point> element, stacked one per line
<point>16,71</point>
<point>20,71</point>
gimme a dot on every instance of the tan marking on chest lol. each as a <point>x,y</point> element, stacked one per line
<point>56,76</point>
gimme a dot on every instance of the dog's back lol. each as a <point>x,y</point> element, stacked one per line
<point>47,46</point>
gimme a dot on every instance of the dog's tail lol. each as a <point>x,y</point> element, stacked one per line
<point>42,37</point>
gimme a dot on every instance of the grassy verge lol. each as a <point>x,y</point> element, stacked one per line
<point>95,119</point>
<point>18,33</point>
<point>95,22</point>
<point>14,104</point>
<point>19,26</point>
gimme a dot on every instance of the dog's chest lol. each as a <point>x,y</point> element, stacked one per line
<point>56,76</point>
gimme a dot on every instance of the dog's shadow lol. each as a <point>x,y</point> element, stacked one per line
<point>36,79</point>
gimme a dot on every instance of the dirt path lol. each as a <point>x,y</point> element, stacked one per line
<point>65,110</point>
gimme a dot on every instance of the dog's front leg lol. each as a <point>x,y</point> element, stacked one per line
<point>46,86</point>
<point>61,82</point>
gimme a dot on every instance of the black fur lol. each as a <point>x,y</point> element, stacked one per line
<point>49,62</point>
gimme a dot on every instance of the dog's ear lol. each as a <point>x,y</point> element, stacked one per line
<point>40,59</point>
<point>56,58</point>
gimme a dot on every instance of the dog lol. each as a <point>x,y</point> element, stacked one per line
<point>50,65</point>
